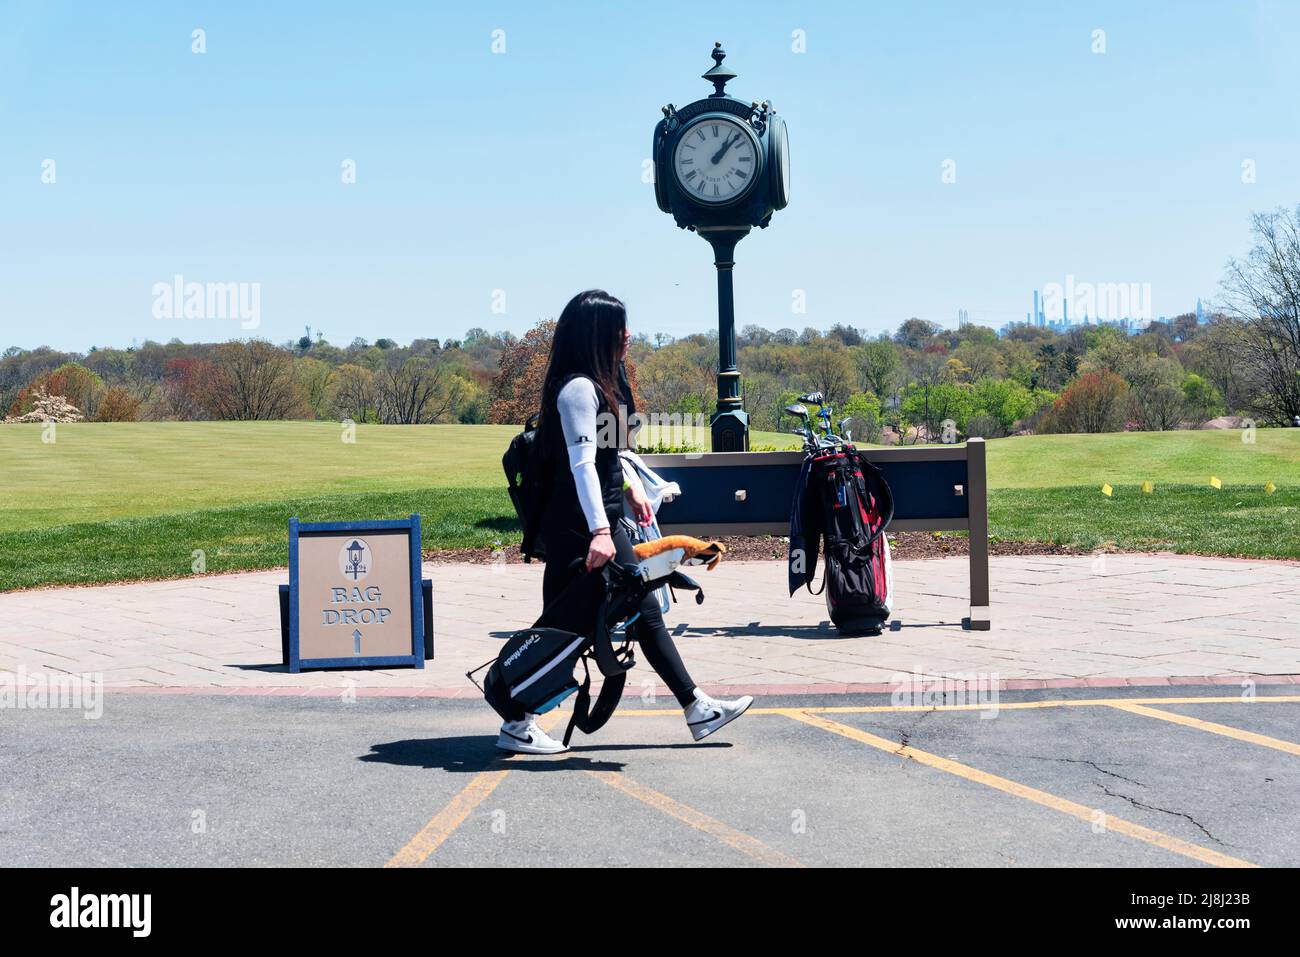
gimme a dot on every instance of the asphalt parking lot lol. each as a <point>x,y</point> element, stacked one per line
<point>1198,776</point>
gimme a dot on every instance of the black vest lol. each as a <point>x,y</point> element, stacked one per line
<point>564,510</point>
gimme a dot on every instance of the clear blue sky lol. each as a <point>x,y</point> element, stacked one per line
<point>522,171</point>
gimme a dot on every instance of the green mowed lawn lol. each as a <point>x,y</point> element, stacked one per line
<point>151,500</point>
<point>1047,461</point>
<point>97,471</point>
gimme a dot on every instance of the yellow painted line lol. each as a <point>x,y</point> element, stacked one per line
<point>1238,733</point>
<point>728,835</point>
<point>1165,841</point>
<point>1003,705</point>
<point>441,826</point>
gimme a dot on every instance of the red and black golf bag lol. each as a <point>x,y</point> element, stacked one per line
<point>843,499</point>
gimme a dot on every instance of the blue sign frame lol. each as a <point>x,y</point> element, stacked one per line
<point>416,657</point>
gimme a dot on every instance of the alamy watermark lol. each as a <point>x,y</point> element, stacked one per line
<point>619,430</point>
<point>42,692</point>
<point>126,911</point>
<point>975,690</point>
<point>179,299</point>
<point>1110,301</point>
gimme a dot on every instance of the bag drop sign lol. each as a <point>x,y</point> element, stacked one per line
<point>354,594</point>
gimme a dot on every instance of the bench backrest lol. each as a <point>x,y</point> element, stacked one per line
<point>936,488</point>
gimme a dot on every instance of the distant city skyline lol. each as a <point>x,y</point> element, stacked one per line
<point>1038,317</point>
<point>416,170</point>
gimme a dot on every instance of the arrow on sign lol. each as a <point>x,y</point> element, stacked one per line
<point>356,641</point>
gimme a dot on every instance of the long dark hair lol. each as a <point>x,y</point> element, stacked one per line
<point>588,341</point>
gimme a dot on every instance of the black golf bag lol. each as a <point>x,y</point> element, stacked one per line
<point>534,671</point>
<point>845,501</point>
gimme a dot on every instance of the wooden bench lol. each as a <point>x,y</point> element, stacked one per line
<point>937,488</point>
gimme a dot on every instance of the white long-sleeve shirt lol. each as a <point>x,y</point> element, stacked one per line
<point>578,405</point>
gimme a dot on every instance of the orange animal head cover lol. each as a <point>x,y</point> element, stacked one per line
<point>698,552</point>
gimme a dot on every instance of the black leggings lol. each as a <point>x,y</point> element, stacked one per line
<point>649,630</point>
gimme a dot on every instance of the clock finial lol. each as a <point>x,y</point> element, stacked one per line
<point>718,75</point>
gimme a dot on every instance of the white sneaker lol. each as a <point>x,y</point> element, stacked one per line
<point>525,737</point>
<point>705,715</point>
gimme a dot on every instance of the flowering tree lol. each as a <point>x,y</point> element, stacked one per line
<point>49,408</point>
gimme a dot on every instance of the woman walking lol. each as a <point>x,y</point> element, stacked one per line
<point>584,388</point>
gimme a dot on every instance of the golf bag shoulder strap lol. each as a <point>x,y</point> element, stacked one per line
<point>607,659</point>
<point>879,488</point>
<point>586,717</point>
<point>808,583</point>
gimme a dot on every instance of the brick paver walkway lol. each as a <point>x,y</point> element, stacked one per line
<point>1111,619</point>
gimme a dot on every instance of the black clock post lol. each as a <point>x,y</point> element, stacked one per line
<point>722,167</point>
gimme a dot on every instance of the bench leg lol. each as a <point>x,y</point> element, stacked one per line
<point>978,511</point>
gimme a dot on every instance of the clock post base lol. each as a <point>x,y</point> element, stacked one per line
<point>730,430</point>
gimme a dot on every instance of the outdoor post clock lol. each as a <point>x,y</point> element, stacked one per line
<point>722,167</point>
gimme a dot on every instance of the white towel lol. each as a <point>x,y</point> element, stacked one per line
<point>656,489</point>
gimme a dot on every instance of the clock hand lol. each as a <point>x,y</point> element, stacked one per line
<point>722,152</point>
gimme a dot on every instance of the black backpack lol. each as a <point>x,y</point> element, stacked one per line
<point>529,481</point>
<point>849,503</point>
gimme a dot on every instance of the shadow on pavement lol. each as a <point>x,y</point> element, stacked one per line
<point>471,755</point>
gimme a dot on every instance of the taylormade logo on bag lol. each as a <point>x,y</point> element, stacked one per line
<point>102,910</point>
<point>532,639</point>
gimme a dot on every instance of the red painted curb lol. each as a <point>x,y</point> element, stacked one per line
<point>768,690</point>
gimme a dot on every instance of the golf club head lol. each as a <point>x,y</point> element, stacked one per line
<point>812,398</point>
<point>796,409</point>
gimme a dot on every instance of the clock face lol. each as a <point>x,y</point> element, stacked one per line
<point>715,160</point>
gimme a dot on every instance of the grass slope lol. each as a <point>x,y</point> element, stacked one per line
<point>100,470</point>
<point>132,501</point>
<point>1047,461</point>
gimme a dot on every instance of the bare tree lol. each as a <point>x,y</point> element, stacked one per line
<point>1263,291</point>
<point>252,381</point>
<point>1214,355</point>
<point>415,391</point>
<point>354,392</point>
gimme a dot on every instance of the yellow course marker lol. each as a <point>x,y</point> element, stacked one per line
<point>1106,490</point>
<point>1215,482</point>
<point>1166,842</point>
<point>1148,488</point>
<point>728,835</point>
<point>1210,726</point>
<point>1270,488</point>
<point>447,820</point>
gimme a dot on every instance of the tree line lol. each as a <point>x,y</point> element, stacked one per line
<point>906,386</point>
<point>381,382</point>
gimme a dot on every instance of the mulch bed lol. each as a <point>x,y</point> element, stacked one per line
<point>745,548</point>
